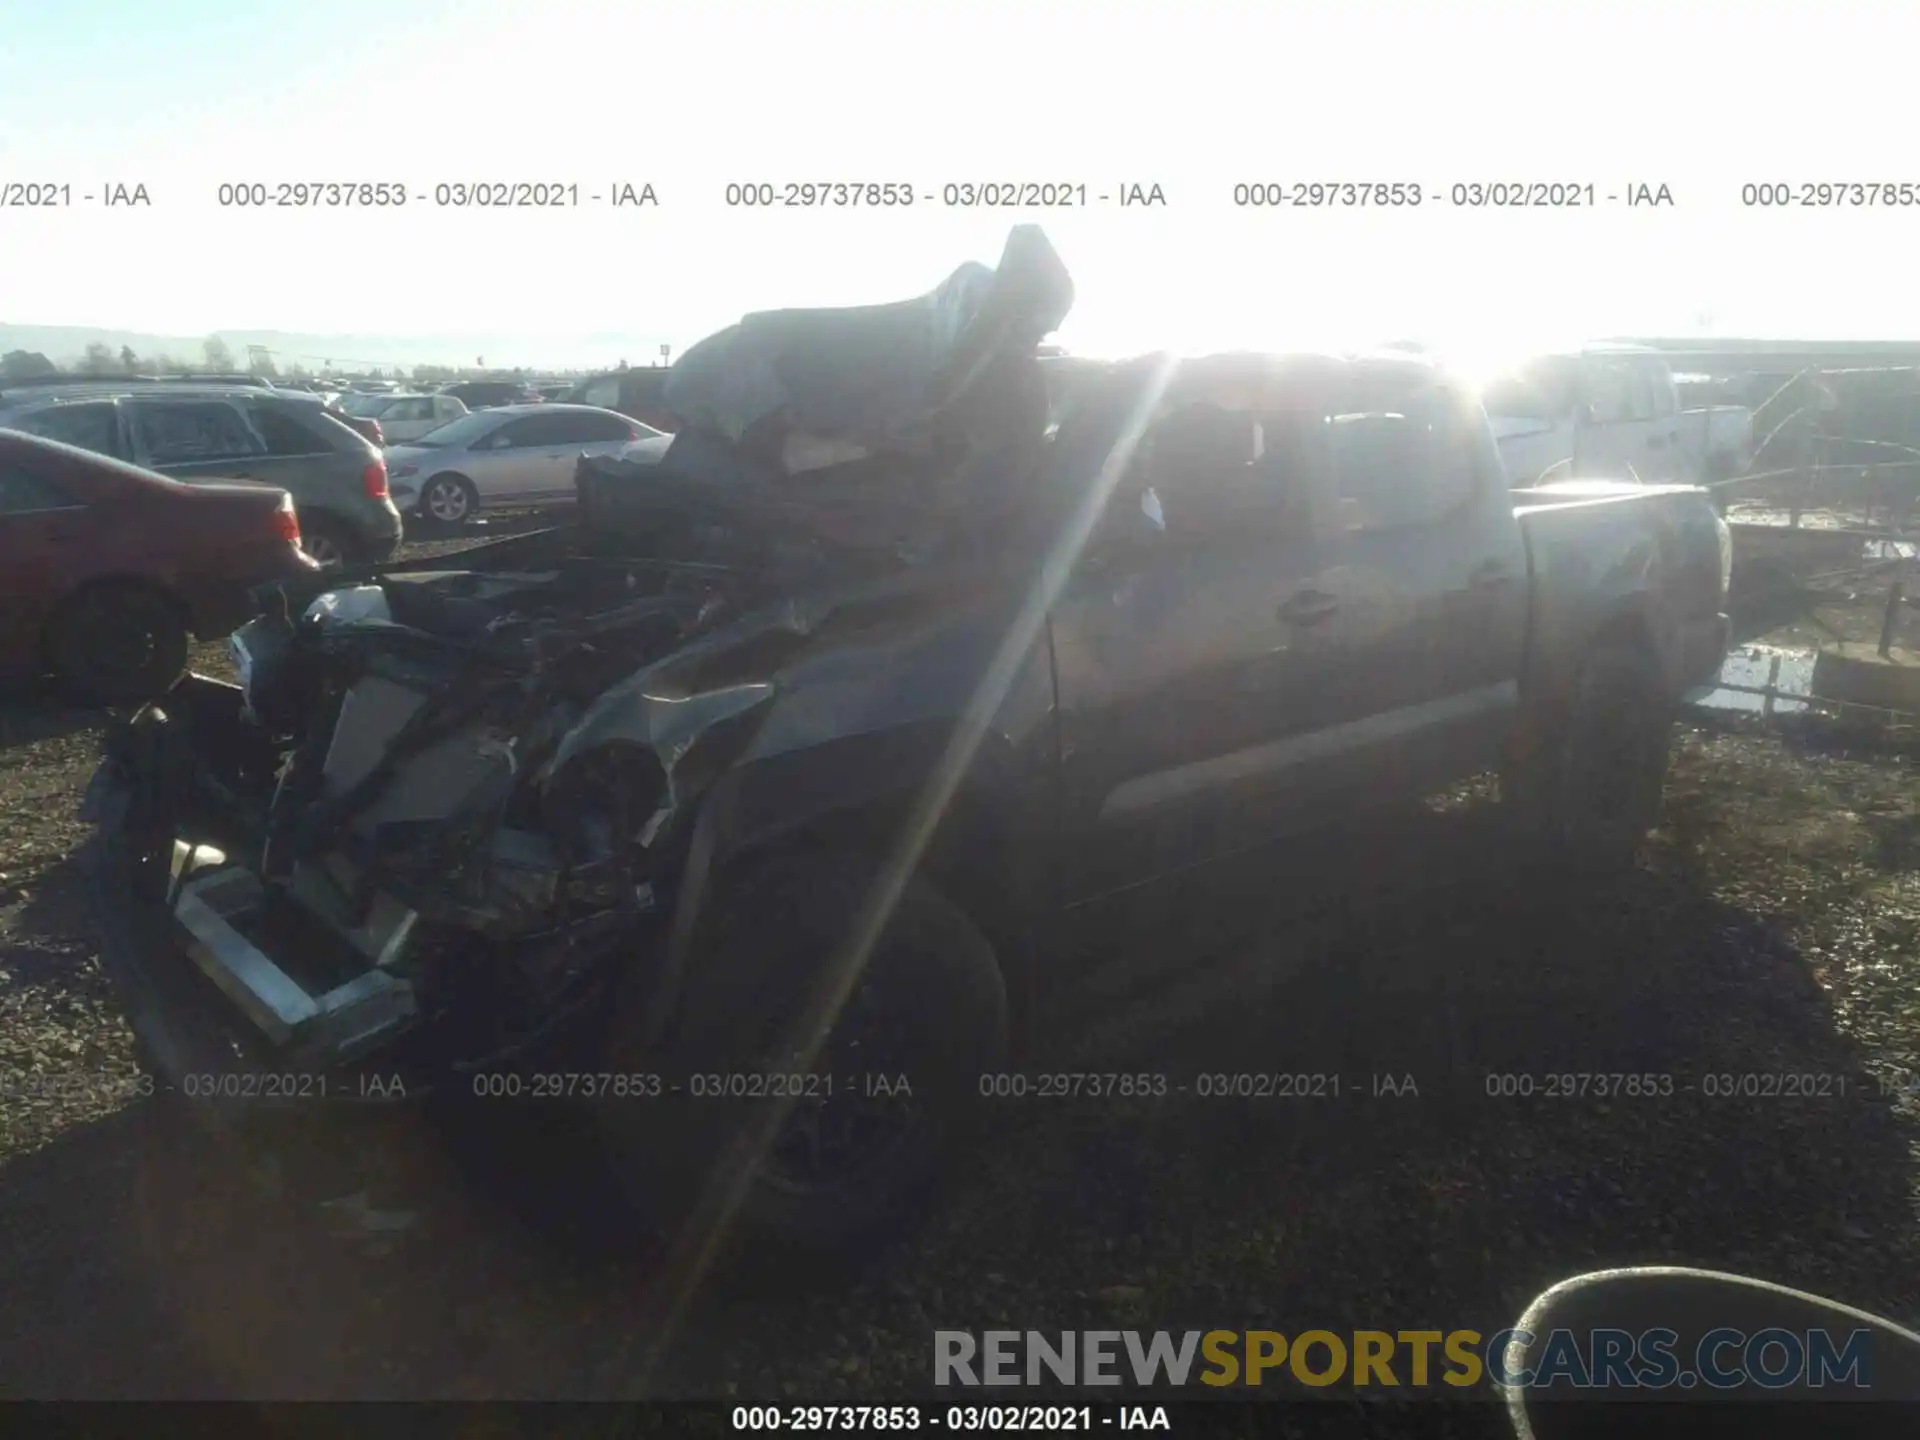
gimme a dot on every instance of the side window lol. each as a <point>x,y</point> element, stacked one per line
<point>1403,463</point>
<point>447,408</point>
<point>21,493</point>
<point>588,429</point>
<point>1610,392</point>
<point>605,393</point>
<point>1541,390</point>
<point>88,427</point>
<point>188,431</point>
<point>1218,468</point>
<point>286,436</point>
<point>520,435</point>
<point>549,430</point>
<point>1666,391</point>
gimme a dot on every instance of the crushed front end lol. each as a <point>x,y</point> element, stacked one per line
<point>364,854</point>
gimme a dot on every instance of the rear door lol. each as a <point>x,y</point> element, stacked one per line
<point>302,459</point>
<point>553,443</point>
<point>1616,418</point>
<point>587,433</point>
<point>1668,457</point>
<point>1427,580</point>
<point>196,439</point>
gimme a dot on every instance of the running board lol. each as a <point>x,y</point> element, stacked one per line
<point>331,1027</point>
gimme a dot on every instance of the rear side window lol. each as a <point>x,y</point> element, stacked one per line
<point>21,493</point>
<point>1665,393</point>
<point>190,431</point>
<point>534,431</point>
<point>1542,390</point>
<point>592,429</point>
<point>1617,393</point>
<point>88,427</point>
<point>286,436</point>
<point>1404,463</point>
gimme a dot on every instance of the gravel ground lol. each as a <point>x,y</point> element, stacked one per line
<point>1774,930</point>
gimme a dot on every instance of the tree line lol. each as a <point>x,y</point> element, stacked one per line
<point>102,362</point>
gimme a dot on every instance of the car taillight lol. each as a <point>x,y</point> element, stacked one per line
<point>375,479</point>
<point>287,521</point>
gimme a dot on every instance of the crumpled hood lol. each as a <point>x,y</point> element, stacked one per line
<point>881,376</point>
<point>648,450</point>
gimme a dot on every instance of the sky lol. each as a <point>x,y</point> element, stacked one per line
<point>1197,97</point>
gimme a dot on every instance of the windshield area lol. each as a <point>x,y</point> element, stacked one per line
<point>365,407</point>
<point>461,432</point>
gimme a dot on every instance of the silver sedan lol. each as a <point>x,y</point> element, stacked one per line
<point>512,455</point>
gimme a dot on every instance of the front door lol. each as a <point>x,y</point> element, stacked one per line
<point>1187,641</point>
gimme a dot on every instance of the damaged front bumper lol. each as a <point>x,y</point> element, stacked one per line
<point>215,1016</point>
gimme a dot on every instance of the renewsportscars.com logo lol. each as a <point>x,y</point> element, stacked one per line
<point>1723,1359</point>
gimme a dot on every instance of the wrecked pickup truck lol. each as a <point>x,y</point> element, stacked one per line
<point>762,785</point>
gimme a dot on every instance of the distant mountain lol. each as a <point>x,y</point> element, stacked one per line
<point>65,344</point>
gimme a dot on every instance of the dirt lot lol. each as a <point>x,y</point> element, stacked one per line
<point>1775,931</point>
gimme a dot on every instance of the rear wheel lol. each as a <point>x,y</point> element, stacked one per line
<point>448,499</point>
<point>889,1092</point>
<point>325,540</point>
<point>1592,794</point>
<point>118,642</point>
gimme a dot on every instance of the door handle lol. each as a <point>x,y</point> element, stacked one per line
<point>1309,607</point>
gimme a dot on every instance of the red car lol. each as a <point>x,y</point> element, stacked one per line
<point>106,569</point>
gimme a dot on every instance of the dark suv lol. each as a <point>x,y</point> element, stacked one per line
<point>639,394</point>
<point>338,480</point>
<point>485,394</point>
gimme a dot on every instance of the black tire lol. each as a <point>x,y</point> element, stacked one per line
<point>327,540</point>
<point>447,499</point>
<point>1588,798</point>
<point>118,642</point>
<point>931,1007</point>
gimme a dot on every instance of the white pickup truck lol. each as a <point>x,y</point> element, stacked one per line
<point>1613,412</point>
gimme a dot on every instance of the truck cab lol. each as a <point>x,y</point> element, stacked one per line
<point>1603,411</point>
